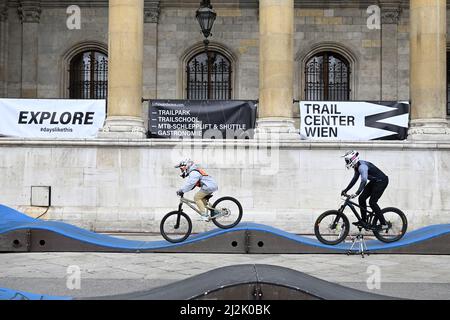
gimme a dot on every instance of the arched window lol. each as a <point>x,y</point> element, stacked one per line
<point>88,76</point>
<point>209,80</point>
<point>327,77</point>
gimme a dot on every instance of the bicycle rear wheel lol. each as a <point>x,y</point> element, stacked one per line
<point>176,226</point>
<point>332,227</point>
<point>232,212</point>
<point>396,225</point>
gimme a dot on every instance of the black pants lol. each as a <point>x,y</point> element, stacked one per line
<point>374,190</point>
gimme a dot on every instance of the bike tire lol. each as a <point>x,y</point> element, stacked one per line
<point>236,221</point>
<point>338,215</point>
<point>383,238</point>
<point>165,222</point>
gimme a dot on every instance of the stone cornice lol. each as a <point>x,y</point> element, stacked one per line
<point>30,11</point>
<point>151,11</point>
<point>390,15</point>
<point>320,4</point>
<point>168,143</point>
<point>390,11</point>
<point>217,3</point>
<point>3,13</point>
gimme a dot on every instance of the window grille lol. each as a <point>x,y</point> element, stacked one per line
<point>89,76</point>
<point>209,81</point>
<point>327,78</point>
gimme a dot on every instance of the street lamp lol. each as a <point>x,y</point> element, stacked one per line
<point>206,16</point>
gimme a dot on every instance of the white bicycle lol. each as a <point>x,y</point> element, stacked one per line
<point>225,213</point>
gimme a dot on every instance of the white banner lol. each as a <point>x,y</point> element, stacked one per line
<point>51,118</point>
<point>354,120</point>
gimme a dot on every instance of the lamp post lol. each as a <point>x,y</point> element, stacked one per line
<point>206,16</point>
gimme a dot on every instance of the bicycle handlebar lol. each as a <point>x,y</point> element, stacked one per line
<point>348,196</point>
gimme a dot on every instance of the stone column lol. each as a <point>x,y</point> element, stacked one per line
<point>428,70</point>
<point>3,49</point>
<point>126,38</point>
<point>276,69</point>
<point>151,18</point>
<point>390,16</point>
<point>30,14</point>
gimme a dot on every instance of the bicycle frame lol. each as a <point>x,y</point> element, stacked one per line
<point>191,204</point>
<point>352,205</point>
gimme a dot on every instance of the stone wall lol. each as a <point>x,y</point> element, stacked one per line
<point>341,28</point>
<point>403,57</point>
<point>14,80</point>
<point>3,47</point>
<point>130,185</point>
<point>236,30</point>
<point>54,41</point>
<point>378,73</point>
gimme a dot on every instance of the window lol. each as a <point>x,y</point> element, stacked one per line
<point>209,81</point>
<point>327,76</point>
<point>89,76</point>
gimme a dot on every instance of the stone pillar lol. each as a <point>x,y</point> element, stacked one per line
<point>428,70</point>
<point>390,16</point>
<point>276,69</point>
<point>126,39</point>
<point>151,18</point>
<point>3,49</point>
<point>30,14</point>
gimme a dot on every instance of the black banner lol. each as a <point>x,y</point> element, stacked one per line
<point>376,120</point>
<point>203,119</point>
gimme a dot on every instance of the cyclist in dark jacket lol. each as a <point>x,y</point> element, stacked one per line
<point>373,183</point>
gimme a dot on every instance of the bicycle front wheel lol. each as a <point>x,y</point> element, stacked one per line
<point>176,226</point>
<point>331,227</point>
<point>395,228</point>
<point>231,212</point>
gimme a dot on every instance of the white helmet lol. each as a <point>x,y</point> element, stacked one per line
<point>184,166</point>
<point>351,159</point>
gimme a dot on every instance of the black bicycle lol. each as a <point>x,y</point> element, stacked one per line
<point>176,226</point>
<point>332,226</point>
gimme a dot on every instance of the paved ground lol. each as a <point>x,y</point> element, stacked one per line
<point>406,276</point>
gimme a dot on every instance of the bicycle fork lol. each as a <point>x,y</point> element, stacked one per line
<point>180,210</point>
<point>336,221</point>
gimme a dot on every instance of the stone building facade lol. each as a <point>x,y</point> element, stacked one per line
<point>126,182</point>
<point>37,45</point>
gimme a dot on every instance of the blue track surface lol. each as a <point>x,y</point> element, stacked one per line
<point>11,220</point>
<point>9,294</point>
